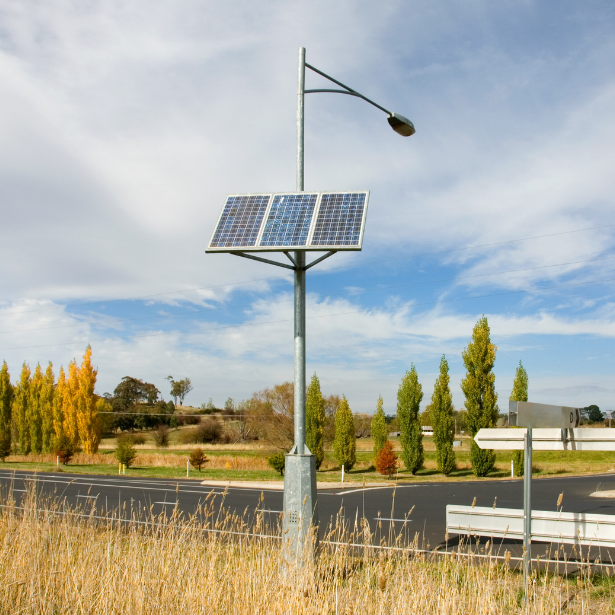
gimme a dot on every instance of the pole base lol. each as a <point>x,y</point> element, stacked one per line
<point>300,528</point>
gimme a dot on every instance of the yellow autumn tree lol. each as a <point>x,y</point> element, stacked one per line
<point>34,411</point>
<point>59,405</point>
<point>87,416</point>
<point>47,399</point>
<point>21,401</point>
<point>71,402</point>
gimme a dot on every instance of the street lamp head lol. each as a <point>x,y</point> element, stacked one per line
<point>401,125</point>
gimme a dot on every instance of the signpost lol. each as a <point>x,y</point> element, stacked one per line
<point>293,224</point>
<point>547,428</point>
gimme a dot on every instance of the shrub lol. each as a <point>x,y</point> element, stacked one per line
<point>161,436</point>
<point>197,459</point>
<point>65,449</point>
<point>125,450</point>
<point>137,438</point>
<point>173,422</point>
<point>277,461</point>
<point>191,419</point>
<point>386,462</point>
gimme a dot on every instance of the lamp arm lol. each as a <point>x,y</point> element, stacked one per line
<point>348,90</point>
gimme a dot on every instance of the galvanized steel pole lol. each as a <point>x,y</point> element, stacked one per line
<point>527,510</point>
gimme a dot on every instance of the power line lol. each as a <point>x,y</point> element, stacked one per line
<point>330,269</point>
<point>254,324</point>
<point>348,294</point>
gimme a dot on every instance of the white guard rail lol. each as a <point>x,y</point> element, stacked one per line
<point>559,527</point>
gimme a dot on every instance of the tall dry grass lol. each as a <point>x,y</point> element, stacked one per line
<point>63,564</point>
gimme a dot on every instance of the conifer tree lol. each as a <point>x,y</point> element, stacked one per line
<point>345,443</point>
<point>58,405</point>
<point>47,403</point>
<point>379,428</point>
<point>21,402</point>
<point>34,411</point>
<point>442,421</point>
<point>87,418</point>
<point>70,403</point>
<point>479,389</point>
<point>409,397</point>
<point>519,393</point>
<point>6,407</point>
<point>315,421</point>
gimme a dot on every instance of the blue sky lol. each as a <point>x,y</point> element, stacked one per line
<point>123,126</point>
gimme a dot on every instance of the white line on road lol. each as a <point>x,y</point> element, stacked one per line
<point>91,497</point>
<point>168,503</point>
<point>269,511</point>
<point>390,519</point>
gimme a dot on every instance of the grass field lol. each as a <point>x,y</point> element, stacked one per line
<point>61,564</point>
<point>249,462</point>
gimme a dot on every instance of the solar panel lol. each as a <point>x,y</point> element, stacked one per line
<point>240,221</point>
<point>289,221</point>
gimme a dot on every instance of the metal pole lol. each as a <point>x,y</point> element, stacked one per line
<point>527,510</point>
<point>300,496</point>
<point>300,353</point>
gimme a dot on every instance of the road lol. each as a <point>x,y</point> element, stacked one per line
<point>384,507</point>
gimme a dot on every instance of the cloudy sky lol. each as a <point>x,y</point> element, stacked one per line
<point>124,125</point>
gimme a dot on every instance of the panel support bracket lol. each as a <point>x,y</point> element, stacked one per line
<point>263,260</point>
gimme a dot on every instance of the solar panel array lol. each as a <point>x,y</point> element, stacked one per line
<point>289,221</point>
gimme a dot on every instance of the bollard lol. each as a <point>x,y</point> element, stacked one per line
<point>512,469</point>
<point>342,472</point>
<point>187,469</point>
<point>57,461</point>
<point>119,468</point>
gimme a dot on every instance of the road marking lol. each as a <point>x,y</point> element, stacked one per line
<point>365,489</point>
<point>91,497</point>
<point>268,510</point>
<point>21,490</point>
<point>168,503</point>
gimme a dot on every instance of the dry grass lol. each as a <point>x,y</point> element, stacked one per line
<point>61,564</point>
<point>218,462</point>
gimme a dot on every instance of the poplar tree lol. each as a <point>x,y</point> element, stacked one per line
<point>379,428</point>
<point>70,403</point>
<point>6,403</point>
<point>345,442</point>
<point>479,389</point>
<point>409,397</point>
<point>87,417</point>
<point>315,421</point>
<point>59,405</point>
<point>20,409</point>
<point>442,421</point>
<point>519,393</point>
<point>47,405</point>
<point>34,411</point>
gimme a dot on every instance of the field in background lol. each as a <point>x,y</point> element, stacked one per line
<point>64,564</point>
<point>248,461</point>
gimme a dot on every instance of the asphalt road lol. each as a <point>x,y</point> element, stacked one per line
<point>384,507</point>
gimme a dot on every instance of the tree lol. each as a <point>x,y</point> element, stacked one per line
<point>34,411</point>
<point>386,461</point>
<point>20,409</point>
<point>125,450</point>
<point>87,419</point>
<point>6,414</point>
<point>71,402</point>
<point>161,436</point>
<point>59,405</point>
<point>442,420</point>
<point>479,389</point>
<point>519,393</point>
<point>345,443</point>
<point>48,394</point>
<point>331,404</point>
<point>180,388</point>
<point>65,449</point>
<point>315,421</point>
<point>379,428</point>
<point>409,397</point>
<point>270,413</point>
<point>592,413</point>
<point>277,461</point>
<point>198,459</point>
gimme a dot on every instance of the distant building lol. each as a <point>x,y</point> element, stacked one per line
<point>427,430</point>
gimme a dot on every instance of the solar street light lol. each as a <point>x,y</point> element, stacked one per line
<point>294,223</point>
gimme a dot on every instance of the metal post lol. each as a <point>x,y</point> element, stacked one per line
<point>300,498</point>
<point>527,510</point>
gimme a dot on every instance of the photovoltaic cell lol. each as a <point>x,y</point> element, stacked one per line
<point>240,221</point>
<point>339,219</point>
<point>289,220</point>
